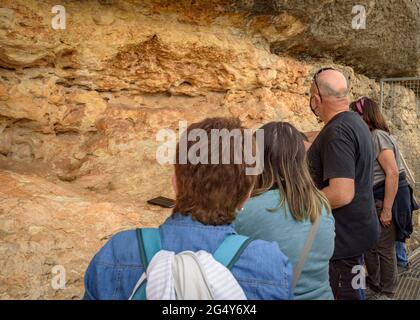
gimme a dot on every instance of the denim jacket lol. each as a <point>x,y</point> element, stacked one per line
<point>262,270</point>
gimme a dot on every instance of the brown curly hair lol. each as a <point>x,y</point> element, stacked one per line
<point>211,193</point>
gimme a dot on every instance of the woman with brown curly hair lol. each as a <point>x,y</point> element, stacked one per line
<point>208,196</point>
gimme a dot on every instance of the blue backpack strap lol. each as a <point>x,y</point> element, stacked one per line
<point>140,293</point>
<point>149,244</point>
<point>231,249</point>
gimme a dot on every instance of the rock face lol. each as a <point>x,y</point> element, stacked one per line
<point>387,45</point>
<point>80,107</point>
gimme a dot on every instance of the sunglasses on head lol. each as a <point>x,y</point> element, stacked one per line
<point>322,70</point>
<point>317,87</point>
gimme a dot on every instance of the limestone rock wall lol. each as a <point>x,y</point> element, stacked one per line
<point>402,109</point>
<point>80,109</point>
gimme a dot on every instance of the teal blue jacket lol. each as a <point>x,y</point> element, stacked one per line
<point>279,226</point>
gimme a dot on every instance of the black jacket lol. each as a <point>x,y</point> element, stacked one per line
<point>403,207</point>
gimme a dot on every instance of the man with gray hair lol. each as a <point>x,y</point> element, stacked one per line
<point>341,162</point>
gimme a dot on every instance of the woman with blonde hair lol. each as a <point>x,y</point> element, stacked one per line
<point>286,207</point>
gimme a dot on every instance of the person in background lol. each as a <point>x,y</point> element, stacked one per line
<point>284,206</point>
<point>306,142</point>
<point>208,197</point>
<point>393,199</point>
<point>341,163</point>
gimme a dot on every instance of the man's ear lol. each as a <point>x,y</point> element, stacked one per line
<point>317,100</point>
<point>174,185</point>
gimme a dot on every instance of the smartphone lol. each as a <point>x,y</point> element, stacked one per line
<point>163,202</point>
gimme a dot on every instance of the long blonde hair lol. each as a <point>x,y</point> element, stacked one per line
<point>286,168</point>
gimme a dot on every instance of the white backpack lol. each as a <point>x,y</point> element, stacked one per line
<point>187,275</point>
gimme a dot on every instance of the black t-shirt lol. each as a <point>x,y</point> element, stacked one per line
<point>344,149</point>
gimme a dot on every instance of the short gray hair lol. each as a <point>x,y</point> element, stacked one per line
<point>328,91</point>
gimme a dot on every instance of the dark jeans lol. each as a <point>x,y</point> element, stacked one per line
<point>381,263</point>
<point>341,278</point>
<point>401,251</point>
